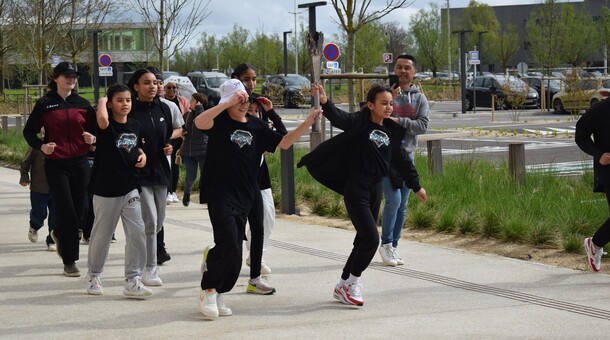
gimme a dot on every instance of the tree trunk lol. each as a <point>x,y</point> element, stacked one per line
<point>351,50</point>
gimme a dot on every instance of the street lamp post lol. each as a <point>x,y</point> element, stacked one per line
<point>94,68</point>
<point>286,53</point>
<point>463,66</point>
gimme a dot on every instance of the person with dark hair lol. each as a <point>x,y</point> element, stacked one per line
<point>155,119</point>
<point>261,219</point>
<point>177,123</point>
<point>115,193</point>
<point>194,149</point>
<point>236,143</point>
<point>411,110</point>
<point>353,164</point>
<point>593,138</point>
<point>32,174</point>
<point>69,123</point>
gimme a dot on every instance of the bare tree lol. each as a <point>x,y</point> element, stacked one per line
<point>399,41</point>
<point>353,15</point>
<point>83,17</point>
<point>174,22</point>
<point>37,30</point>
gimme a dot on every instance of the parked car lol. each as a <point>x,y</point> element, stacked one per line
<point>487,85</point>
<point>551,87</point>
<point>208,83</point>
<point>584,94</point>
<point>291,89</point>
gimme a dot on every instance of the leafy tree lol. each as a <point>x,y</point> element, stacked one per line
<point>267,53</point>
<point>370,44</point>
<point>234,48</point>
<point>604,26</point>
<point>481,18</point>
<point>354,15</point>
<point>431,38</point>
<point>505,45</point>
<point>545,33</point>
<point>7,42</point>
<point>579,37</point>
<point>174,22</point>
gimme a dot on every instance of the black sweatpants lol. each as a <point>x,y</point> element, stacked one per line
<point>362,199</point>
<point>602,235</point>
<point>68,180</point>
<point>257,235</point>
<point>225,259</point>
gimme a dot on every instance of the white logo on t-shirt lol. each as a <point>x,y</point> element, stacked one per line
<point>241,138</point>
<point>126,141</point>
<point>379,138</point>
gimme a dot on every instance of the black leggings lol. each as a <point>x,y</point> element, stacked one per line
<point>68,180</point>
<point>362,200</point>
<point>257,234</point>
<point>602,235</point>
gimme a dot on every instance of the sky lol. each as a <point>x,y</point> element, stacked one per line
<point>276,16</point>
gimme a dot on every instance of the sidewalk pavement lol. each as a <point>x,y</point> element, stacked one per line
<point>438,293</point>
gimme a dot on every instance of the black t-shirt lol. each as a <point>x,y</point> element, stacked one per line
<point>371,152</point>
<point>116,155</point>
<point>233,159</point>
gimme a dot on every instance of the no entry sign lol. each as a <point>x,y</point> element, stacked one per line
<point>331,52</point>
<point>105,60</point>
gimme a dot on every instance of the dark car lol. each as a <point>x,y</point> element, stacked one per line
<point>487,85</point>
<point>551,87</point>
<point>291,89</point>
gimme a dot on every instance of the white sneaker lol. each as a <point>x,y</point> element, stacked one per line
<point>352,294</point>
<point>175,198</point>
<point>208,305</point>
<point>151,277</point>
<point>397,257</point>
<point>204,263</point>
<point>265,270</point>
<point>223,310</point>
<point>337,294</point>
<point>594,257</point>
<point>33,235</point>
<point>259,286</point>
<point>169,199</point>
<point>95,285</point>
<point>387,255</point>
<point>135,289</point>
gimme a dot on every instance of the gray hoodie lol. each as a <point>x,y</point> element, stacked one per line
<point>412,108</point>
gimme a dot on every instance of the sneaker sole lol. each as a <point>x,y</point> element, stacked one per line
<point>591,263</point>
<point>72,274</point>
<point>94,292</point>
<point>350,301</point>
<point>339,297</point>
<point>137,297</point>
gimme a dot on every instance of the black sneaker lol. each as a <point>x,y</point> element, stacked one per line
<point>162,256</point>
<point>186,199</point>
<point>113,240</point>
<point>71,270</point>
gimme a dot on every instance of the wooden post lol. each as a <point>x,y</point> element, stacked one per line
<point>435,157</point>
<point>287,173</point>
<point>18,126</point>
<point>4,124</point>
<point>516,162</point>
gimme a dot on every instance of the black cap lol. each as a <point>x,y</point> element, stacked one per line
<point>65,68</point>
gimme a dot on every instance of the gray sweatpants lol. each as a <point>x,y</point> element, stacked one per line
<point>107,211</point>
<point>153,200</point>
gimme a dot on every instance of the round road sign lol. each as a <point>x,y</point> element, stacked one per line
<point>331,52</point>
<point>105,60</point>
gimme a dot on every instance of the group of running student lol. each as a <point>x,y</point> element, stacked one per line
<point>131,134</point>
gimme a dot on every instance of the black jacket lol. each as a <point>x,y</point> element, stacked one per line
<point>328,162</point>
<point>195,141</point>
<point>596,123</point>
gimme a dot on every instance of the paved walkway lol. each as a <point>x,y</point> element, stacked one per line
<point>439,293</point>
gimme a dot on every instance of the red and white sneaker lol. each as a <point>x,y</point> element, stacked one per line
<point>594,257</point>
<point>351,294</point>
<point>337,294</point>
